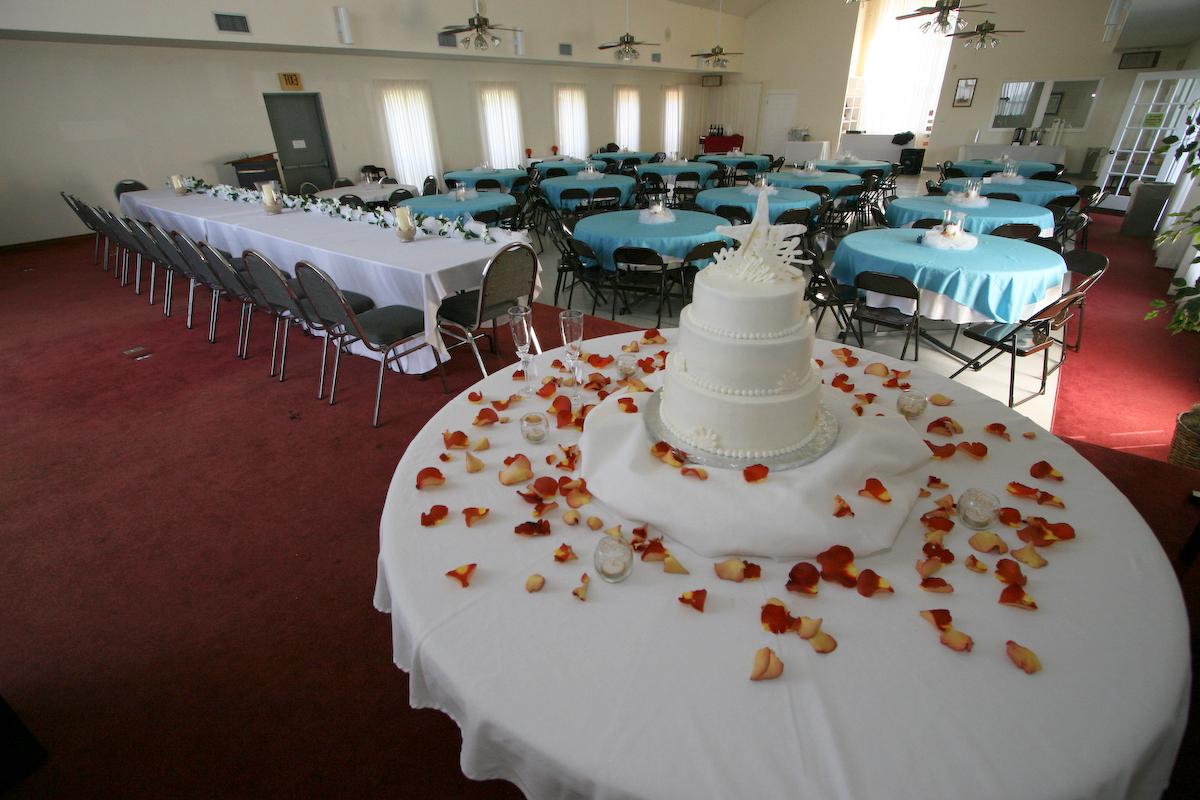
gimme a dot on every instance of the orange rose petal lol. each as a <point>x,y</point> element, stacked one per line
<point>571,517</point>
<point>1043,471</point>
<point>548,389</point>
<point>895,383</point>
<point>435,516</point>
<point>455,440</point>
<point>923,493</point>
<point>652,336</point>
<point>1009,571</point>
<point>998,429</point>
<point>1029,556</point>
<point>956,640</point>
<point>564,553</point>
<point>837,566</point>
<point>941,451</point>
<point>775,617</point>
<point>929,566</point>
<point>841,508</point>
<point>539,527</point>
<point>731,569</point>
<point>866,397</point>
<point>1029,435</point>
<point>987,542</point>
<point>940,400</point>
<point>627,405</point>
<point>445,457</point>
<point>474,464</point>
<point>473,515</point>
<point>544,487</point>
<point>944,426</point>
<point>462,574</point>
<point>632,347</point>
<point>767,666</point>
<point>842,381</point>
<point>845,355</point>
<point>935,550</point>
<point>1021,490</point>
<point>869,583</point>
<point>599,362</point>
<point>481,444</point>
<point>1059,531</point>
<point>502,405</point>
<point>430,477</point>
<point>580,591</point>
<point>974,564</point>
<point>1009,516</point>
<point>934,521</point>
<point>939,618</point>
<point>595,523</point>
<point>486,416</point>
<point>804,578</point>
<point>806,627</point>
<point>654,551</point>
<point>518,375</point>
<point>672,566</point>
<point>755,473</point>
<point>822,643</point>
<point>475,397</point>
<point>699,473</point>
<point>876,368</point>
<point>935,482</point>
<point>1014,595</point>
<point>1023,657</point>
<point>976,450</point>
<point>819,362</point>
<point>695,599</point>
<point>936,586</point>
<point>875,488</point>
<point>1036,536</point>
<point>540,509</point>
<point>1047,499</point>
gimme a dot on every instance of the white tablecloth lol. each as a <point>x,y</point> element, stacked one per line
<point>369,192</point>
<point>634,695</point>
<point>359,257</point>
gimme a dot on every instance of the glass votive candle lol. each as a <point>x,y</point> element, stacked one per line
<point>912,404</point>
<point>535,427</point>
<point>613,559</point>
<point>977,508</point>
<point>626,365</point>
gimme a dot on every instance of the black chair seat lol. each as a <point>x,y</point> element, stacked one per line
<point>358,302</point>
<point>843,292</point>
<point>882,316</point>
<point>460,308</point>
<point>390,324</point>
<point>994,333</point>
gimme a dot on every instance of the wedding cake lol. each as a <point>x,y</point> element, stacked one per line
<point>741,383</point>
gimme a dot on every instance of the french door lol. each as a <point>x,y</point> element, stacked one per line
<point>1157,108</point>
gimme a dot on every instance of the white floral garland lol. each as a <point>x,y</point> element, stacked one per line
<point>441,226</point>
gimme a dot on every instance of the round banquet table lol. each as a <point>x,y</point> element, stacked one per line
<point>621,155</point>
<point>553,187</point>
<point>632,694</point>
<point>468,177</point>
<point>857,167</point>
<point>1002,279</point>
<point>604,233</point>
<point>907,210</point>
<point>975,167</point>
<point>668,170</point>
<point>1037,192</point>
<point>833,181</point>
<point>445,205</point>
<point>782,200</point>
<point>731,160</point>
<point>572,166</point>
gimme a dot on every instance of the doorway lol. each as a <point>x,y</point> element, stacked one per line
<point>778,116</point>
<point>301,140</point>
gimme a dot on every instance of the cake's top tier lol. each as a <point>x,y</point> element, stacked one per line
<point>727,306</point>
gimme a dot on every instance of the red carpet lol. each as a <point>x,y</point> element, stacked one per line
<point>1131,378</point>
<point>189,554</point>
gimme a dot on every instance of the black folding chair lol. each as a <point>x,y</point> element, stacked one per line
<point>892,286</point>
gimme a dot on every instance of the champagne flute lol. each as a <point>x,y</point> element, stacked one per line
<point>519,322</point>
<point>570,322</point>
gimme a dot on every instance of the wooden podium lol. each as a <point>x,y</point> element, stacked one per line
<point>255,169</point>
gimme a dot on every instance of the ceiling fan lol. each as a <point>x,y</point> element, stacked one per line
<point>479,31</point>
<point>626,45</point>
<point>947,16</point>
<point>983,36</point>
<point>717,57</point>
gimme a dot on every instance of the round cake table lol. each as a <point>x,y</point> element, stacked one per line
<point>907,210</point>
<point>833,181</point>
<point>469,177</point>
<point>572,166</point>
<point>668,170</point>
<point>604,233</point>
<point>1037,192</point>
<point>782,200</point>
<point>857,167</point>
<point>975,167</point>
<point>445,205</point>
<point>633,694</point>
<point>732,160</point>
<point>621,155</point>
<point>554,187</point>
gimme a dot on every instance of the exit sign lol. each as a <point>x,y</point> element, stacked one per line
<point>290,82</point>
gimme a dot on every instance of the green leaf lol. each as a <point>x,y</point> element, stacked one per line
<point>1150,315</point>
<point>1157,303</point>
<point>1178,282</point>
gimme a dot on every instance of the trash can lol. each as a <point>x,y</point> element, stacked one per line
<point>911,159</point>
<point>1147,200</point>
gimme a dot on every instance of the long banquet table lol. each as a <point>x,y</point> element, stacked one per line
<point>359,257</point>
<point>633,694</point>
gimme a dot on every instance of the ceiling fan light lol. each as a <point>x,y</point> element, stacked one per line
<point>993,42</point>
<point>495,41</point>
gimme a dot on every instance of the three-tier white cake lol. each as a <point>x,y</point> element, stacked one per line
<point>741,383</point>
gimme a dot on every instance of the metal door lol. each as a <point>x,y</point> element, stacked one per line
<point>1157,108</point>
<point>298,125</point>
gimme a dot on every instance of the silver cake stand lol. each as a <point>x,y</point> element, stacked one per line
<point>819,442</point>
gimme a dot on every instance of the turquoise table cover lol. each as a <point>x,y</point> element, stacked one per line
<point>782,200</point>
<point>833,181</point>
<point>570,166</point>
<point>732,161</point>
<point>998,279</point>
<point>1037,192</point>
<point>669,171</point>
<point>907,210</point>
<point>858,167</point>
<point>445,205</point>
<point>467,177</point>
<point>975,167</point>
<point>621,156</point>
<point>604,233</point>
<point>553,187</point>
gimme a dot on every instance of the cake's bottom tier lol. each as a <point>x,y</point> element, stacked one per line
<point>741,427</point>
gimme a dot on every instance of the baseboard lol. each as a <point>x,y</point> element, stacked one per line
<point>7,248</point>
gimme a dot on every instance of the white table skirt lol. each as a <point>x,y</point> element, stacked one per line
<point>634,695</point>
<point>370,192</point>
<point>935,305</point>
<point>359,257</point>
<point>799,152</point>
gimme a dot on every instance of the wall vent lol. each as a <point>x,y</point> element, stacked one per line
<point>232,23</point>
<point>565,49</point>
<point>447,40</point>
<point>656,58</point>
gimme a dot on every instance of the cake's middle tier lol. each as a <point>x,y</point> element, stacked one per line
<point>742,367</point>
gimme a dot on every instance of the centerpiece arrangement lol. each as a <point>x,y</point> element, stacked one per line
<point>969,197</point>
<point>656,214</point>
<point>950,234</point>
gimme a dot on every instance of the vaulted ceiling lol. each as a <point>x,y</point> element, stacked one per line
<point>743,8</point>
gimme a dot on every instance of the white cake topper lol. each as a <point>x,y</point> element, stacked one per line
<point>766,252</point>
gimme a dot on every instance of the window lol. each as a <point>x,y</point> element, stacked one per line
<point>627,112</point>
<point>673,119</point>
<point>500,119</point>
<point>412,134</point>
<point>1038,104</point>
<point>570,120</point>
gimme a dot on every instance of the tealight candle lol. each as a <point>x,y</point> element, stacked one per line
<point>626,364</point>
<point>912,404</point>
<point>977,508</point>
<point>460,194</point>
<point>177,184</point>
<point>613,558</point>
<point>534,427</point>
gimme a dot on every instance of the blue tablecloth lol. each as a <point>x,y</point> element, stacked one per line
<point>553,187</point>
<point>570,166</point>
<point>1037,192</point>
<point>777,203</point>
<point>467,177</point>
<point>833,181</point>
<point>998,279</point>
<point>446,206</point>
<point>733,160</point>
<point>604,233</point>
<point>975,167</point>
<point>669,171</point>
<point>621,156</point>
<point>907,210</point>
<point>858,167</point>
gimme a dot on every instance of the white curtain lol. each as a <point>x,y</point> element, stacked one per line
<point>411,131</point>
<point>903,70</point>
<point>570,120</point>
<point>673,119</point>
<point>627,112</point>
<point>1018,93</point>
<point>500,120</point>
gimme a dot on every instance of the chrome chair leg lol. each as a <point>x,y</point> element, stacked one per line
<point>153,271</point>
<point>324,359</point>
<point>287,326</point>
<point>168,291</point>
<point>379,388</point>
<point>274,347</point>
<point>212,317</point>
<point>96,250</point>
<point>243,331</point>
<point>441,368</point>
<point>137,275</point>
<point>337,360</point>
<point>191,300</point>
